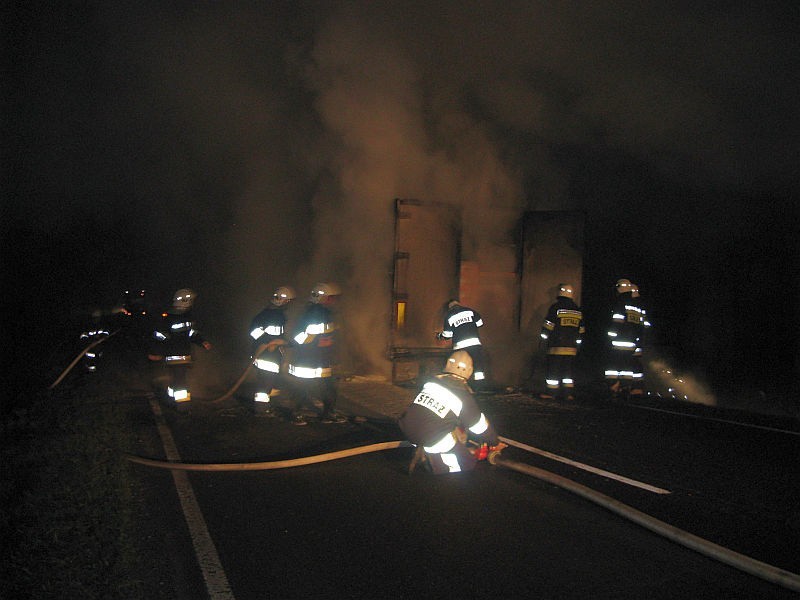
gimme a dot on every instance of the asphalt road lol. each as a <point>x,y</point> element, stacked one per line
<point>361,527</point>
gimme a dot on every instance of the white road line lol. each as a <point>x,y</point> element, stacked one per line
<point>585,467</point>
<point>207,557</point>
<point>682,414</point>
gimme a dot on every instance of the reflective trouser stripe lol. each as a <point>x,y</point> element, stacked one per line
<point>179,395</point>
<point>267,365</point>
<point>451,460</point>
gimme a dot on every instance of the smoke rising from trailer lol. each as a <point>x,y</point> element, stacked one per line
<point>385,143</point>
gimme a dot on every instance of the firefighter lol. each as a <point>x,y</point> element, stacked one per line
<point>562,331</point>
<point>624,335</point>
<point>173,337</point>
<point>95,331</point>
<point>461,325</point>
<point>637,385</point>
<point>311,367</point>
<point>445,422</point>
<point>267,332</point>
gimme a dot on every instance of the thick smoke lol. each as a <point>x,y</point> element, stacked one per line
<point>386,143</point>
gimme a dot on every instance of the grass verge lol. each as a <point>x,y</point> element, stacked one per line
<point>67,519</point>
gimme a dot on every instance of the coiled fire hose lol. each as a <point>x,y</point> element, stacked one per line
<point>77,358</point>
<point>744,563</point>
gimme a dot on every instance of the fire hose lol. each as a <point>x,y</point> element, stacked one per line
<point>77,358</point>
<point>744,563</point>
<point>243,376</point>
<point>263,466</point>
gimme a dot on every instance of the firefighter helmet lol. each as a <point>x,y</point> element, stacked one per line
<point>565,290</point>
<point>283,295</point>
<point>624,286</point>
<point>183,299</point>
<point>459,363</point>
<point>323,291</point>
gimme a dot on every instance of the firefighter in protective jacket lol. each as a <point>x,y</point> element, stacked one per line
<point>313,361</point>
<point>444,418</point>
<point>637,385</point>
<point>461,325</point>
<point>174,336</point>
<point>267,333</point>
<point>624,337</point>
<point>562,332</point>
<point>95,332</point>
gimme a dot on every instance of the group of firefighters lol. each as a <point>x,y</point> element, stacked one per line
<point>310,364</point>
<point>444,420</point>
<point>563,329</point>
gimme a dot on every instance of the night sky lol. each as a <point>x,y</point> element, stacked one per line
<point>233,147</point>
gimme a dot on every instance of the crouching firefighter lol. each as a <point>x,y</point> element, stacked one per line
<point>446,424</point>
<point>173,337</point>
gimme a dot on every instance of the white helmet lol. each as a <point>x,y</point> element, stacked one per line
<point>459,363</point>
<point>322,291</point>
<point>624,286</point>
<point>283,295</point>
<point>183,299</point>
<point>565,290</point>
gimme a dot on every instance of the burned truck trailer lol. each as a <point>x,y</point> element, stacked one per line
<point>511,285</point>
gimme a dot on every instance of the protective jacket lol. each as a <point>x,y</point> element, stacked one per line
<point>175,334</point>
<point>315,343</point>
<point>461,326</point>
<point>95,331</point>
<point>268,326</point>
<point>563,327</point>
<point>627,323</point>
<point>443,405</point>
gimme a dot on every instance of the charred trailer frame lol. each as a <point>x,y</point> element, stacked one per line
<point>511,287</point>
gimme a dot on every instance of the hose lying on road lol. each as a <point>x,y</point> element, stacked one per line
<point>262,466</point>
<point>77,358</point>
<point>744,563</point>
